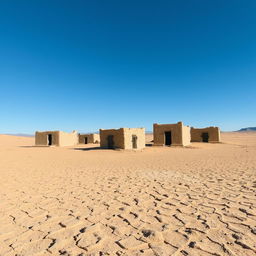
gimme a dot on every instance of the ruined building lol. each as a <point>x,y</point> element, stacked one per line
<point>171,134</point>
<point>88,138</point>
<point>208,134</point>
<point>123,138</point>
<point>56,138</point>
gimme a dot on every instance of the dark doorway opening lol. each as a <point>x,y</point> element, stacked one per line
<point>110,141</point>
<point>168,138</point>
<point>85,140</point>
<point>134,141</point>
<point>205,137</point>
<point>49,139</point>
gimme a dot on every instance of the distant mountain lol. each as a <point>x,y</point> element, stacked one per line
<point>20,134</point>
<point>248,129</point>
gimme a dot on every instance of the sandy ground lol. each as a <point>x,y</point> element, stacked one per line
<point>195,201</point>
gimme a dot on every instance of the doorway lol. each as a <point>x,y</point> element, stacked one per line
<point>134,141</point>
<point>49,139</point>
<point>168,138</point>
<point>110,140</point>
<point>205,137</point>
<point>85,140</point>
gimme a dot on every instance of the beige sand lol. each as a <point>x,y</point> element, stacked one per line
<point>160,201</point>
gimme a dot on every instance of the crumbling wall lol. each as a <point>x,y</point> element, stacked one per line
<point>214,134</point>
<point>96,138</point>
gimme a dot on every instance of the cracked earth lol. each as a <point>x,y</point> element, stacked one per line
<point>199,200</point>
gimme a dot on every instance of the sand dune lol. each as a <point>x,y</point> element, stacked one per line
<point>193,201</point>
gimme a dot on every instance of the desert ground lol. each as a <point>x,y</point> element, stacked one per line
<point>198,200</point>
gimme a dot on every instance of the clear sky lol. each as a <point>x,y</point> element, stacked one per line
<point>87,65</point>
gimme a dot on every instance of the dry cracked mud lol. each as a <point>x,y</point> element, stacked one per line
<point>199,200</point>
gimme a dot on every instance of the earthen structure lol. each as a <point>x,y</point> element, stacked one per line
<point>208,134</point>
<point>89,138</point>
<point>56,138</point>
<point>171,134</point>
<point>123,138</point>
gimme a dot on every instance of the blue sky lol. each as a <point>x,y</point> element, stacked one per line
<point>96,64</point>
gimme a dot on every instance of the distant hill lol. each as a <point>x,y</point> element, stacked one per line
<point>248,129</point>
<point>20,134</point>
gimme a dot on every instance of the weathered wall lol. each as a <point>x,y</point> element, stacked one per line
<point>123,137</point>
<point>41,138</point>
<point>118,137</point>
<point>186,135</point>
<point>68,139</point>
<point>139,132</point>
<point>91,138</point>
<point>177,130</point>
<point>59,138</point>
<point>96,138</point>
<point>214,134</point>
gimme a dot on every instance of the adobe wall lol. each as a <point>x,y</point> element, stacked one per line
<point>91,138</point>
<point>180,134</point>
<point>41,138</point>
<point>96,138</point>
<point>214,134</point>
<point>68,139</point>
<point>123,137</point>
<point>118,137</point>
<point>139,132</point>
<point>186,135</point>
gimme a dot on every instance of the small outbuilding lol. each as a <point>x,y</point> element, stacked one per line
<point>123,138</point>
<point>208,134</point>
<point>88,138</point>
<point>56,138</point>
<point>171,134</point>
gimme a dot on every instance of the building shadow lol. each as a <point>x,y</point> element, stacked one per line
<point>28,146</point>
<point>88,149</point>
